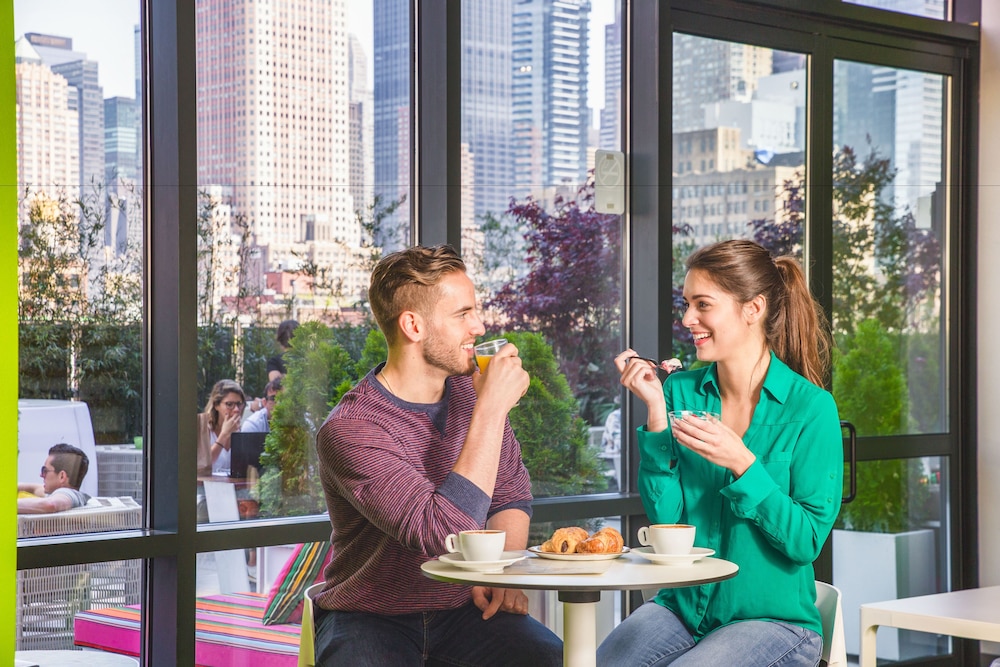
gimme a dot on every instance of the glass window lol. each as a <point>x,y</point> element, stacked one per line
<point>541,91</point>
<point>741,109</point>
<point>935,9</point>
<point>80,250</point>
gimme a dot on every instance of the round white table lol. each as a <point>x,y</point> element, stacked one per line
<point>69,658</point>
<point>580,593</point>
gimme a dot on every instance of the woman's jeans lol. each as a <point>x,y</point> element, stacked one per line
<point>653,635</point>
<point>449,637</point>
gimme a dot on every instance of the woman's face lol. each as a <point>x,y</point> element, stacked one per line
<point>720,327</point>
<point>231,404</point>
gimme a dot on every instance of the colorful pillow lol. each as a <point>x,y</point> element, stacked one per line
<point>302,569</point>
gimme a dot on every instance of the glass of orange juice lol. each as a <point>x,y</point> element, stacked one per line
<point>485,352</point>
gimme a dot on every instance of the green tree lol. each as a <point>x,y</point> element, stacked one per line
<point>554,439</point>
<point>320,372</point>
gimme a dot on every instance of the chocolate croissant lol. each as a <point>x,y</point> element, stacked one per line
<point>605,541</point>
<point>565,540</point>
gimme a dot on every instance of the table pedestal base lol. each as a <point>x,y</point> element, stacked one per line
<point>579,621</point>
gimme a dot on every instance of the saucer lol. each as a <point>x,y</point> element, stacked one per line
<point>697,553</point>
<point>577,557</point>
<point>485,566</point>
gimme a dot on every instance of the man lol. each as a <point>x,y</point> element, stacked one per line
<point>260,421</point>
<point>62,474</point>
<point>421,448</point>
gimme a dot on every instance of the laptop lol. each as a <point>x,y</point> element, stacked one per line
<point>245,449</point>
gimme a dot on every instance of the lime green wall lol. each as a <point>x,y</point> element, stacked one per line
<point>8,322</point>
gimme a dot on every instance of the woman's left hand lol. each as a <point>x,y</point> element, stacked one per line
<point>714,441</point>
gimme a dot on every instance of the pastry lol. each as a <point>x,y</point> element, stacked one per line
<point>605,541</point>
<point>565,540</point>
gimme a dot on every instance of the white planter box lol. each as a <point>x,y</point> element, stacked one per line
<point>873,567</point>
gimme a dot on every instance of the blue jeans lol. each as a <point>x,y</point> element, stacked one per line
<point>449,637</point>
<point>653,635</point>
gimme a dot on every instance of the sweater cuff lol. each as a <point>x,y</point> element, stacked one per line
<point>466,496</point>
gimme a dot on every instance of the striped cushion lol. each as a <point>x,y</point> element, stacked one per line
<point>302,569</point>
<point>228,631</point>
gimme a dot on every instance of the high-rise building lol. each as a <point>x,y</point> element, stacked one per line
<point>121,140</point>
<point>486,103</point>
<point>392,115</point>
<point>47,128</point>
<point>549,93</point>
<point>707,71</point>
<point>611,114</point>
<point>361,129</point>
<point>86,98</point>
<point>273,122</point>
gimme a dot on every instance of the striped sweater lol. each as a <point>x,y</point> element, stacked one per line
<point>385,465</point>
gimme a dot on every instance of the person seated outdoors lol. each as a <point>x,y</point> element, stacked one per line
<point>276,364</point>
<point>62,474</point>
<point>421,448</point>
<point>221,418</point>
<point>260,421</point>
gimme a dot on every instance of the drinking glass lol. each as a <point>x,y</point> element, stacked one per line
<point>485,352</point>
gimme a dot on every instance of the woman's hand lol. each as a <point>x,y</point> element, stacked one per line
<point>230,425</point>
<point>714,441</point>
<point>639,377</point>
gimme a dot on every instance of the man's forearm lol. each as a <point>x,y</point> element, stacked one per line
<point>515,523</point>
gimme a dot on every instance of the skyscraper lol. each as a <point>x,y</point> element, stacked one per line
<point>273,122</point>
<point>486,103</point>
<point>611,114</point>
<point>86,97</point>
<point>549,93</point>
<point>362,172</point>
<point>392,114</point>
<point>707,71</point>
<point>47,128</point>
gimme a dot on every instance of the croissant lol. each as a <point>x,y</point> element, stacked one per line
<point>605,541</point>
<point>565,540</point>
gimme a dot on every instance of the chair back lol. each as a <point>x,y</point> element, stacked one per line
<point>307,638</point>
<point>831,611</point>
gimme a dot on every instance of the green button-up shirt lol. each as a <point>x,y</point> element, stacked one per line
<point>772,521</point>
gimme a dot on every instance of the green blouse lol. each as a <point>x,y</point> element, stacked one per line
<point>772,521</point>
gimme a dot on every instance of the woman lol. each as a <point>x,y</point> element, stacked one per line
<point>216,424</point>
<point>762,485</point>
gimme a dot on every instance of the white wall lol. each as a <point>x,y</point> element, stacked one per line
<point>988,322</point>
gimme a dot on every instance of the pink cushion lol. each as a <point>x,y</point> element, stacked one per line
<point>302,569</point>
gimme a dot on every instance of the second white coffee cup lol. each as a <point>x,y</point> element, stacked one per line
<point>477,545</point>
<point>668,538</point>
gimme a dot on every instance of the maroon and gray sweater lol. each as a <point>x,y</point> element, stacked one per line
<point>385,465</point>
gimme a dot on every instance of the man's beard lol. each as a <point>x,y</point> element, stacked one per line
<point>439,356</point>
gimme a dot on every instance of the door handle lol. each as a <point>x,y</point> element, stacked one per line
<point>851,456</point>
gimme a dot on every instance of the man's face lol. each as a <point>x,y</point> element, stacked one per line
<point>453,326</point>
<point>269,398</point>
<point>51,480</point>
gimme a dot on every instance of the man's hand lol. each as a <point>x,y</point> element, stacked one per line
<point>491,600</point>
<point>505,381</point>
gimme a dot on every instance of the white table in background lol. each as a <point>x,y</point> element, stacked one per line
<point>580,593</point>
<point>970,614</point>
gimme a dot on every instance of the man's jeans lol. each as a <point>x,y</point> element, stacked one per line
<point>450,637</point>
<point>653,635</point>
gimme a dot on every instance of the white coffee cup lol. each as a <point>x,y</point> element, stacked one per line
<point>477,545</point>
<point>668,538</point>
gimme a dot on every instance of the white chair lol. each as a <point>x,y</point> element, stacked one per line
<point>307,638</point>
<point>830,610</point>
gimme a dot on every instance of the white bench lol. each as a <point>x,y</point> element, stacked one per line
<point>48,598</point>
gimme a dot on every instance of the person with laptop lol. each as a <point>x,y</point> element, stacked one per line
<point>62,474</point>
<point>260,421</point>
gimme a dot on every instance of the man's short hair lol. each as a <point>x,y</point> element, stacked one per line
<point>273,385</point>
<point>72,460</point>
<point>405,280</point>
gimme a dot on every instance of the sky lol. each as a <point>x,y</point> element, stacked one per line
<point>103,29</point>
